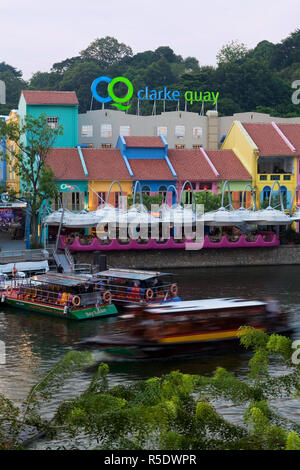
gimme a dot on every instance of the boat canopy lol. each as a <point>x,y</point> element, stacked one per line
<point>131,274</point>
<point>62,279</point>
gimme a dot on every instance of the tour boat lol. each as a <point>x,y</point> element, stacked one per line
<point>187,327</point>
<point>130,286</point>
<point>75,297</point>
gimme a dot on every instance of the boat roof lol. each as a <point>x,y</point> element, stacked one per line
<point>131,274</point>
<point>70,280</point>
<point>206,304</point>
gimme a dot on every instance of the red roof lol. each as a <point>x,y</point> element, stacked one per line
<point>105,164</point>
<point>268,140</point>
<point>50,97</point>
<point>191,164</point>
<point>228,165</point>
<point>292,132</point>
<point>66,164</point>
<point>144,142</point>
<point>150,169</point>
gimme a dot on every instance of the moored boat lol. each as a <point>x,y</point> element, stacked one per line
<point>186,327</point>
<point>75,297</point>
<point>130,286</point>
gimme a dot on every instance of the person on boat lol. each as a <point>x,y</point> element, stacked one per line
<point>14,271</point>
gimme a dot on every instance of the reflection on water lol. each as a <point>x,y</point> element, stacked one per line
<point>34,343</point>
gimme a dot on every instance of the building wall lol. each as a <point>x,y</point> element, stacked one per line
<point>13,179</point>
<point>73,186</point>
<point>96,186</point>
<point>214,128</point>
<point>67,117</point>
<point>3,166</point>
<point>143,126</point>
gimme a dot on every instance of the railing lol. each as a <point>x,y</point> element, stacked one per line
<point>136,293</point>
<point>35,293</point>
<point>69,257</point>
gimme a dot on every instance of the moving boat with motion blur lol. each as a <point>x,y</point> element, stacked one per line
<point>75,297</point>
<point>186,327</point>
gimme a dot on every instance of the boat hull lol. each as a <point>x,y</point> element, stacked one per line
<point>130,347</point>
<point>83,313</point>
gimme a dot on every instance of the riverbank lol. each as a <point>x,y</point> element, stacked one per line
<point>172,259</point>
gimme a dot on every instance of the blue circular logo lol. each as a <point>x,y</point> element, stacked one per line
<point>94,89</point>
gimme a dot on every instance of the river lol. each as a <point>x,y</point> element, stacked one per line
<point>34,343</point>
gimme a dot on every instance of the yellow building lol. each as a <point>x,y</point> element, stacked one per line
<point>13,179</point>
<point>270,152</point>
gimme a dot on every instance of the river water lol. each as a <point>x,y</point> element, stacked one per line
<point>34,343</point>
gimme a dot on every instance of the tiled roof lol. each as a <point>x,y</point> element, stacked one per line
<point>105,164</point>
<point>66,164</point>
<point>144,142</point>
<point>50,97</point>
<point>191,164</point>
<point>292,132</point>
<point>268,140</point>
<point>150,169</point>
<point>228,165</point>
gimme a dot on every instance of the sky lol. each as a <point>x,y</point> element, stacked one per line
<point>35,34</point>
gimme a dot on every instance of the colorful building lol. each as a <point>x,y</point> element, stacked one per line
<point>270,152</point>
<point>60,108</point>
<point>12,179</point>
<point>3,166</point>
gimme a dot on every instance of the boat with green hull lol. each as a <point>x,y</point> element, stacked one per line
<point>64,296</point>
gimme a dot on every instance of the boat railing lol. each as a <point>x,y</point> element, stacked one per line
<point>134,292</point>
<point>38,294</point>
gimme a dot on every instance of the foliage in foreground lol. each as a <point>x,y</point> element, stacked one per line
<point>175,411</point>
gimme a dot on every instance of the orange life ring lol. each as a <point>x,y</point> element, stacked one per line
<point>149,294</point>
<point>9,290</point>
<point>106,296</point>
<point>76,301</point>
<point>174,289</point>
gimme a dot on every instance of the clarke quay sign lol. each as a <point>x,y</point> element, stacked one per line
<point>147,93</point>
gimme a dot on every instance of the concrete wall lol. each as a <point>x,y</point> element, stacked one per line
<point>171,259</point>
<point>144,126</point>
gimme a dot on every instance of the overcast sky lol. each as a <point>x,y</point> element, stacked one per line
<point>35,34</point>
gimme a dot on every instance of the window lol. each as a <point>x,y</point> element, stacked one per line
<point>75,201</point>
<point>101,198</point>
<point>197,146</point>
<point>266,193</point>
<point>117,199</point>
<point>197,132</point>
<point>205,186</point>
<point>58,202</point>
<point>162,130</point>
<point>106,130</point>
<point>179,146</point>
<point>87,131</point>
<point>146,190</point>
<point>180,131</point>
<point>52,122</point>
<point>106,146</point>
<point>163,191</point>
<point>125,130</point>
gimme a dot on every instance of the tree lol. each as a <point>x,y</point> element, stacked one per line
<point>172,412</point>
<point>231,52</point>
<point>106,51</point>
<point>33,140</point>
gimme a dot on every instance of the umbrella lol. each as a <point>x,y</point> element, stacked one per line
<point>223,217</point>
<point>268,216</point>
